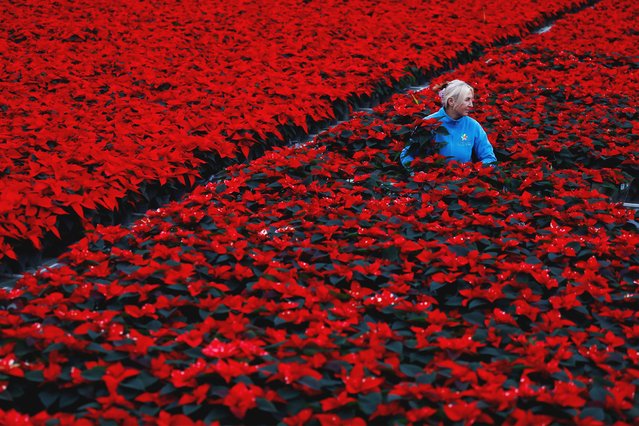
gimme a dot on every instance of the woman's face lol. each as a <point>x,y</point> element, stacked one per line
<point>462,106</point>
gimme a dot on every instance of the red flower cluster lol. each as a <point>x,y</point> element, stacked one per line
<point>102,100</point>
<point>322,285</point>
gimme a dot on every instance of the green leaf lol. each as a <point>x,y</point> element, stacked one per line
<point>368,403</point>
<point>67,399</point>
<point>168,389</point>
<point>442,130</point>
<point>596,413</point>
<point>266,405</point>
<point>434,286</point>
<point>311,382</point>
<point>598,393</point>
<point>94,374</point>
<point>288,393</point>
<point>135,383</point>
<point>410,370</point>
<point>54,347</point>
<point>149,410</point>
<point>96,348</point>
<point>22,349</point>
<point>477,303</point>
<point>7,395</point>
<point>166,348</point>
<point>216,414</point>
<point>396,347</point>
<point>391,254</point>
<point>633,413</point>
<point>34,376</point>
<point>116,356</point>
<point>190,409</point>
<point>127,269</point>
<point>494,353</point>
<point>48,397</point>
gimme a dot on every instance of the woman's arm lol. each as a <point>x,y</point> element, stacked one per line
<point>404,157</point>
<point>483,148</point>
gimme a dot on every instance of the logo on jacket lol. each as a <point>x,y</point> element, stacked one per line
<point>465,140</point>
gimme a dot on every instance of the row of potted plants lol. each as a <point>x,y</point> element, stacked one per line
<point>323,284</point>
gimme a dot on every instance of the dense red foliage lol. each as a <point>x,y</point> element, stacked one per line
<point>322,284</point>
<point>103,97</point>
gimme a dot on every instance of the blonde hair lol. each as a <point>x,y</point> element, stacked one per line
<point>454,89</point>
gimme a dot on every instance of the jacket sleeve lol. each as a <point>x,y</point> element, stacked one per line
<point>483,148</point>
<point>404,157</point>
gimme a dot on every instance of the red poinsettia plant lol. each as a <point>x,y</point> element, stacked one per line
<point>321,284</point>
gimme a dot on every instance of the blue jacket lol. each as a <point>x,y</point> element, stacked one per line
<point>465,137</point>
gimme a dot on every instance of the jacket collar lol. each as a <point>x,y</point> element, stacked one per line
<point>445,118</point>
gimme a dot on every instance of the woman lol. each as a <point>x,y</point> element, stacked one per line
<point>466,138</point>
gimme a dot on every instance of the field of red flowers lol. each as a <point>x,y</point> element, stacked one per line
<point>323,284</point>
<point>106,104</point>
